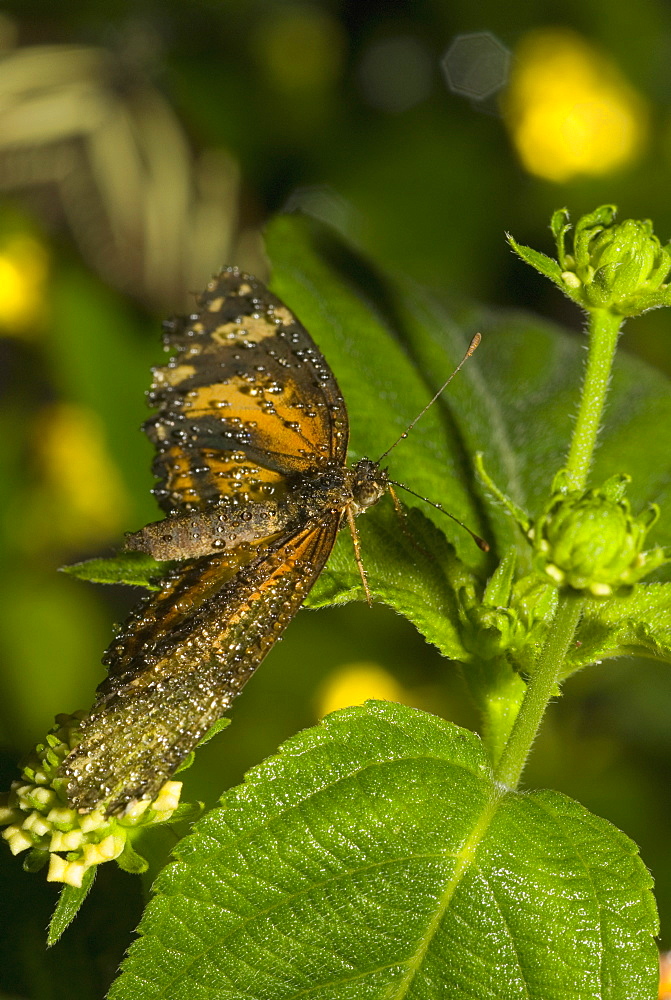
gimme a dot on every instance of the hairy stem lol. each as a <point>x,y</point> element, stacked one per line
<point>604,328</point>
<point>542,686</point>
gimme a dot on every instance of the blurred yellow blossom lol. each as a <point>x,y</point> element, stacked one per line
<point>354,683</point>
<point>82,486</point>
<point>23,272</point>
<point>569,109</point>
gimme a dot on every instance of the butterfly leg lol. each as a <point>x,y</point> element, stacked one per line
<point>398,505</point>
<point>357,553</point>
<point>403,518</point>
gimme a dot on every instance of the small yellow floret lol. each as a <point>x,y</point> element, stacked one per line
<point>36,824</point>
<point>135,810</point>
<point>7,815</point>
<point>61,816</point>
<point>109,848</point>
<point>92,821</point>
<point>167,799</point>
<point>57,867</point>
<point>17,839</point>
<point>70,872</point>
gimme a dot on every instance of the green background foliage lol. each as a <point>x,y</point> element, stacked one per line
<point>428,192</point>
<point>372,857</point>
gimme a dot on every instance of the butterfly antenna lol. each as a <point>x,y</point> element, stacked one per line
<point>471,349</point>
<point>480,542</point>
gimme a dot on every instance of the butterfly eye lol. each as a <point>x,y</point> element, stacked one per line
<point>367,494</point>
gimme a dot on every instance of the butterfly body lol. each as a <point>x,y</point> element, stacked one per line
<point>251,439</point>
<point>308,497</point>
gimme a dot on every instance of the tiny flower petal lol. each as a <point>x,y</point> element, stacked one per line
<point>17,839</point>
<point>36,815</point>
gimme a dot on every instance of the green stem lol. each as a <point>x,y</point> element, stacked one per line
<point>542,686</point>
<point>604,328</point>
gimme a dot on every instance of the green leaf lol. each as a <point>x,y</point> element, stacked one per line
<point>532,372</point>
<point>186,812</point>
<point>67,907</point>
<point>132,862</point>
<point>423,581</point>
<point>375,857</point>
<point>352,313</point>
<point>219,725</point>
<point>35,860</point>
<point>214,730</point>
<point>560,226</point>
<point>391,345</point>
<point>638,624</point>
<point>500,584</point>
<point>539,261</point>
<point>133,568</point>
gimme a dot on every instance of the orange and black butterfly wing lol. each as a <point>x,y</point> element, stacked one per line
<point>246,401</point>
<point>180,661</point>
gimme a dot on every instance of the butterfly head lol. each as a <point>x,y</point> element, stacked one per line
<point>369,484</point>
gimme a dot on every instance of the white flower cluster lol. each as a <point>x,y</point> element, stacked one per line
<point>37,817</point>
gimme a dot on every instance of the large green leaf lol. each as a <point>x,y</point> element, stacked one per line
<point>376,857</point>
<point>422,582</point>
<point>352,314</point>
<point>391,345</point>
<point>535,370</point>
<point>638,623</point>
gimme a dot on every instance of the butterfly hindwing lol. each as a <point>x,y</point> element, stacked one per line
<point>180,661</point>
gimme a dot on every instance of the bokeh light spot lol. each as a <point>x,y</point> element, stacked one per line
<point>23,272</point>
<point>476,65</point>
<point>300,48</point>
<point>354,683</point>
<point>569,109</point>
<point>81,481</point>
<point>395,74</point>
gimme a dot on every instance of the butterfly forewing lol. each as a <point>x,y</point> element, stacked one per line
<point>247,400</point>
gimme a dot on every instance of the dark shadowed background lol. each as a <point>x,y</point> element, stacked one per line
<point>142,146</point>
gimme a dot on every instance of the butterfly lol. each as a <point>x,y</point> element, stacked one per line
<point>251,436</point>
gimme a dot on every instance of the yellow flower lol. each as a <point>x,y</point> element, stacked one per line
<point>36,817</point>
<point>80,477</point>
<point>23,272</point>
<point>354,683</point>
<point>569,109</point>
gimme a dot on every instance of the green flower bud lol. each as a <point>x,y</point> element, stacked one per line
<point>591,541</point>
<point>510,619</point>
<point>36,816</point>
<point>620,267</point>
